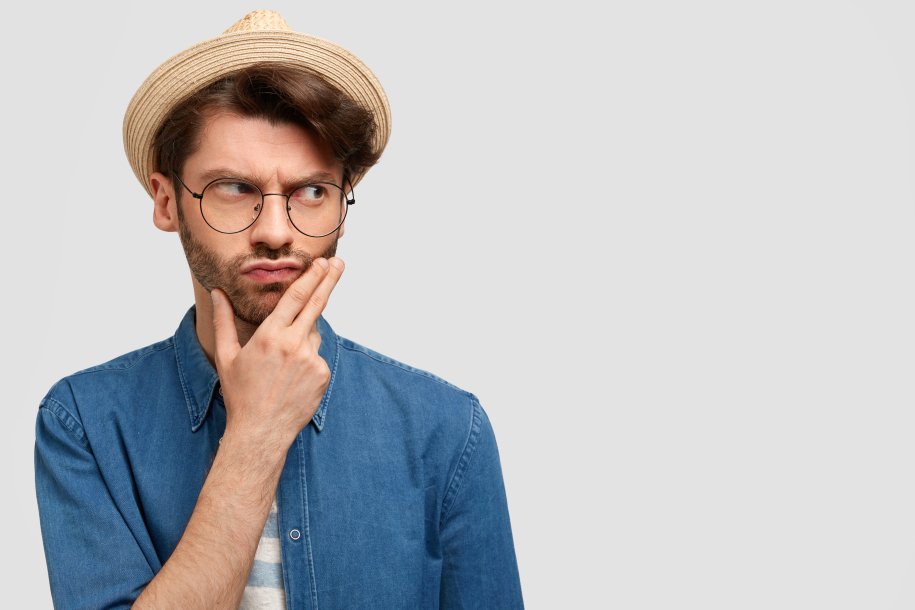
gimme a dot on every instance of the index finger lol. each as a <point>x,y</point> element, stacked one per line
<point>319,297</point>
<point>299,292</point>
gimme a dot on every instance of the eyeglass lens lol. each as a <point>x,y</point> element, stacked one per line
<point>232,205</point>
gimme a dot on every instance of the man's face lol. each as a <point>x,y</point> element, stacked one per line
<point>253,267</point>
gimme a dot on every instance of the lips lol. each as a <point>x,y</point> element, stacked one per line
<point>269,272</point>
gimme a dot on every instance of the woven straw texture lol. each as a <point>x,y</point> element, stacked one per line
<point>260,36</point>
<point>259,20</point>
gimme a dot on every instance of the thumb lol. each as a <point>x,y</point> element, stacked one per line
<point>227,345</point>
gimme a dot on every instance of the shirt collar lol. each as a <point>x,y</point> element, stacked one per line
<point>199,379</point>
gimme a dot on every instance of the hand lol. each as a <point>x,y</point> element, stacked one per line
<point>273,386</point>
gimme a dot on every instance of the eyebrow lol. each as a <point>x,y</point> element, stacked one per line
<point>227,172</point>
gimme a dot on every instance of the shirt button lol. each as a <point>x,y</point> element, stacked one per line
<point>295,534</point>
<point>220,390</point>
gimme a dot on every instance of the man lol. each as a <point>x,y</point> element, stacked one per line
<point>256,459</point>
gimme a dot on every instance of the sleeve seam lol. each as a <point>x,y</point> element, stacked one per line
<point>66,419</point>
<point>465,461</point>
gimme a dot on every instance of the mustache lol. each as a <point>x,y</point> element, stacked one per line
<point>263,252</point>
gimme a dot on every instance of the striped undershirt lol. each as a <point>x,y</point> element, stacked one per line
<point>264,590</point>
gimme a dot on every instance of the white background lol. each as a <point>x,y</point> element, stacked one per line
<point>669,245</point>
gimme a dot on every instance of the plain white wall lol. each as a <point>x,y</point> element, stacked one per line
<point>668,244</point>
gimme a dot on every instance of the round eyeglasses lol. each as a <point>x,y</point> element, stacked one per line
<point>231,205</point>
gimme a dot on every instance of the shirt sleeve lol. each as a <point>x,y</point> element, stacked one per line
<point>94,561</point>
<point>479,569</point>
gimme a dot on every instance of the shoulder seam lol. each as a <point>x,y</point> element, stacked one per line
<point>168,344</point>
<point>354,347</point>
<point>466,459</point>
<point>66,419</point>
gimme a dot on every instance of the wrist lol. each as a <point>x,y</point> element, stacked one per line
<point>253,450</point>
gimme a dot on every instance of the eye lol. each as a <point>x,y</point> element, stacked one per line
<point>309,194</point>
<point>234,189</point>
<point>313,191</point>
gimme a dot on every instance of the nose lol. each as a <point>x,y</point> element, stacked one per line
<point>272,227</point>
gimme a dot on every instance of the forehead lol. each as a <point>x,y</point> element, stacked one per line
<point>261,151</point>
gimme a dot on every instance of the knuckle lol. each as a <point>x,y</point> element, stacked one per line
<point>308,360</point>
<point>288,348</point>
<point>297,293</point>
<point>266,343</point>
<point>317,301</point>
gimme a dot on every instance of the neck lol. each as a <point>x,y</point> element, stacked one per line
<point>204,323</point>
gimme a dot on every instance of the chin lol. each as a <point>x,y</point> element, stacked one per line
<point>255,306</point>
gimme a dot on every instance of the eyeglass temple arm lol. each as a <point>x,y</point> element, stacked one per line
<point>193,194</point>
<point>352,192</point>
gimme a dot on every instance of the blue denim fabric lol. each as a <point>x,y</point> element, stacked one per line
<point>395,488</point>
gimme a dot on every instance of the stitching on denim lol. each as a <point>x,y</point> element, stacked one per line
<point>150,349</point>
<point>427,474</point>
<point>322,410</point>
<point>355,347</point>
<point>284,565</point>
<point>187,395</point>
<point>306,526</point>
<point>196,424</point>
<point>446,498</point>
<point>473,437</point>
<point>67,420</point>
<point>478,436</point>
<point>104,480</point>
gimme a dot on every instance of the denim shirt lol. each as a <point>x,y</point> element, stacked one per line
<point>392,496</point>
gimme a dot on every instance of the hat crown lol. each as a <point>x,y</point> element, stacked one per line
<point>259,37</point>
<point>259,20</point>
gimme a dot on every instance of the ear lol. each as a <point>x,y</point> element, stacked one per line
<point>165,205</point>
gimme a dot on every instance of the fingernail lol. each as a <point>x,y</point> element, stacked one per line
<point>215,297</point>
<point>336,262</point>
<point>322,263</point>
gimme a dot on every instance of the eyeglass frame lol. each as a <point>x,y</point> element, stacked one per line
<point>349,198</point>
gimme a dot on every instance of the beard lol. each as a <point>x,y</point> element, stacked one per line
<point>251,302</point>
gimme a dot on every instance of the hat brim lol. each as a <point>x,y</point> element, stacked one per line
<point>206,62</point>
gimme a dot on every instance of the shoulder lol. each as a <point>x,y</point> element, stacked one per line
<point>133,364</point>
<point>443,407</point>
<point>371,361</point>
<point>448,422</point>
<point>107,382</point>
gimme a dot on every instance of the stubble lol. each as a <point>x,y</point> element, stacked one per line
<point>252,302</point>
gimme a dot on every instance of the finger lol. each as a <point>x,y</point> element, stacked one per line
<point>224,326</point>
<point>314,337</point>
<point>298,293</point>
<point>319,297</point>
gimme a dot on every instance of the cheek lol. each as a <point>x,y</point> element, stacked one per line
<point>231,249</point>
<point>314,247</point>
<point>327,247</point>
<point>199,238</point>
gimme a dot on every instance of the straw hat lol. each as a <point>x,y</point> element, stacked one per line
<point>260,36</point>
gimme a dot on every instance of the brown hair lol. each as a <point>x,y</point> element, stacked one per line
<point>279,94</point>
